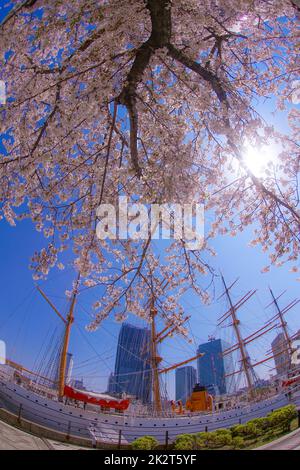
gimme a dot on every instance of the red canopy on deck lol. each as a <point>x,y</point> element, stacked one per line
<point>95,399</point>
<point>291,381</point>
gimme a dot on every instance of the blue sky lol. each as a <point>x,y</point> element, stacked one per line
<point>27,322</point>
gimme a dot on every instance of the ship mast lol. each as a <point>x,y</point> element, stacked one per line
<point>68,321</point>
<point>157,338</point>
<point>65,347</point>
<point>283,323</point>
<point>247,367</point>
<point>241,345</point>
<point>155,360</point>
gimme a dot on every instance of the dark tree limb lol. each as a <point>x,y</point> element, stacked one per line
<point>160,12</point>
<point>160,37</point>
<point>205,74</point>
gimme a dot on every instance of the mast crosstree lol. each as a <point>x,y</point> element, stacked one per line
<point>157,338</point>
<point>288,347</point>
<point>241,345</point>
<point>283,323</point>
<point>245,359</point>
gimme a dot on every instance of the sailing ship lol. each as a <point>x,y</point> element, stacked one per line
<point>104,418</point>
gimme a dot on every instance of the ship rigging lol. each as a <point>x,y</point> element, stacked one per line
<point>246,368</point>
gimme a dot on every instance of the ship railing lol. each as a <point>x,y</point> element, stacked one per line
<point>6,375</point>
<point>101,431</point>
<point>9,376</point>
<point>76,426</point>
<point>294,388</point>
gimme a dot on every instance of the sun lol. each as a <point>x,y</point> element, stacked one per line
<point>260,159</point>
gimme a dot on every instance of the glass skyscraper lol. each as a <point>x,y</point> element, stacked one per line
<point>213,367</point>
<point>281,354</point>
<point>185,379</point>
<point>133,365</point>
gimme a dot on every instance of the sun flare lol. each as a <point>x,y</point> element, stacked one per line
<point>260,159</point>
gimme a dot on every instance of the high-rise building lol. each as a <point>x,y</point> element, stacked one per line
<point>78,384</point>
<point>281,355</point>
<point>185,379</point>
<point>111,385</point>
<point>212,389</point>
<point>53,367</point>
<point>213,367</point>
<point>133,365</point>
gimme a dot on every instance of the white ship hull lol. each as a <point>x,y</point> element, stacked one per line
<point>78,422</point>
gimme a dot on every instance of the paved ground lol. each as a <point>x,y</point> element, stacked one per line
<point>14,439</point>
<point>289,442</point>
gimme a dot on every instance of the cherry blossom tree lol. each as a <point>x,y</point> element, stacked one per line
<point>153,99</point>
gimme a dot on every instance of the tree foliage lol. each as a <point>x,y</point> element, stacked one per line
<point>283,417</point>
<point>145,443</point>
<point>185,442</point>
<point>151,99</point>
<point>239,436</point>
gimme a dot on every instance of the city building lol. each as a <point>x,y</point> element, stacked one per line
<point>185,379</point>
<point>213,367</point>
<point>262,383</point>
<point>281,355</point>
<point>132,373</point>
<point>78,384</point>
<point>52,369</point>
<point>213,389</point>
<point>111,385</point>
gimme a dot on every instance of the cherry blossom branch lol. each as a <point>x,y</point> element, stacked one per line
<point>16,9</point>
<point>160,35</point>
<point>218,88</point>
